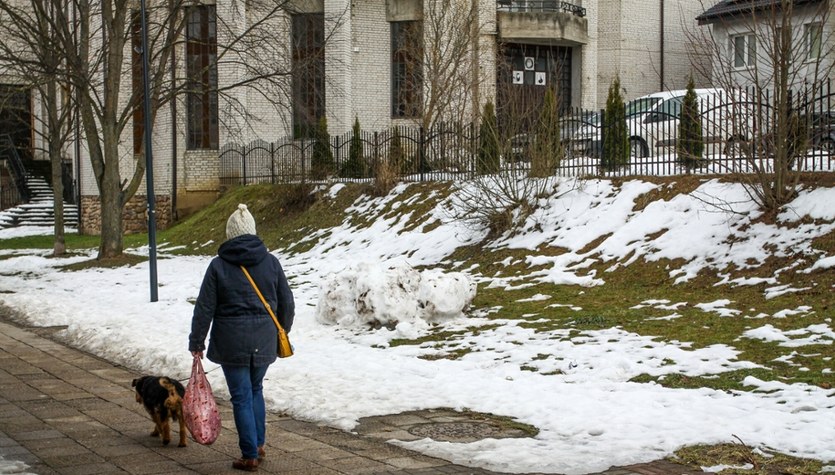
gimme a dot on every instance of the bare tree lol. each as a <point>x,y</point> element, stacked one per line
<point>441,56</point>
<point>93,37</point>
<point>30,52</point>
<point>771,57</point>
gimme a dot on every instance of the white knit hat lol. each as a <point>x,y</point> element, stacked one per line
<point>239,223</point>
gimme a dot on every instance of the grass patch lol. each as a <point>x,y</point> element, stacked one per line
<point>667,191</point>
<point>728,381</point>
<point>759,462</point>
<point>113,262</point>
<point>73,242</point>
<point>285,215</point>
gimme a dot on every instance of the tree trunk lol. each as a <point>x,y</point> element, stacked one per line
<point>111,222</point>
<point>111,202</point>
<point>58,246</point>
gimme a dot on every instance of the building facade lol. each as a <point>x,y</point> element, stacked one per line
<point>382,63</point>
<point>749,46</point>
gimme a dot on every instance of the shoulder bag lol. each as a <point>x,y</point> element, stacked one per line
<point>285,349</point>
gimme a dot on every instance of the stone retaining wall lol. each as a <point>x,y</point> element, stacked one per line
<point>134,219</point>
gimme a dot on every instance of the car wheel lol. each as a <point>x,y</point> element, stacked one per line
<point>827,144</point>
<point>567,150</point>
<point>735,148</point>
<point>637,148</point>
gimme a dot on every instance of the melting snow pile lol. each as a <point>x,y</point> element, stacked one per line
<point>396,295</point>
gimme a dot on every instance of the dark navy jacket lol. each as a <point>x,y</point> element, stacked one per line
<point>242,330</point>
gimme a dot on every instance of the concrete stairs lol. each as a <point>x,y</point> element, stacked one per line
<point>39,210</point>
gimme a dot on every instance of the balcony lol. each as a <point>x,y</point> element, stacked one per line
<point>542,22</point>
<point>548,6</point>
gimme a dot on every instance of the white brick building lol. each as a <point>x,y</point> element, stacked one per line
<point>368,71</point>
<point>747,45</point>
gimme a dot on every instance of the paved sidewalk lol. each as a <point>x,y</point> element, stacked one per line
<point>63,411</point>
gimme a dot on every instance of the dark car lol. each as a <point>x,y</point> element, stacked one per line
<point>581,134</point>
<point>572,140</point>
<point>822,131</point>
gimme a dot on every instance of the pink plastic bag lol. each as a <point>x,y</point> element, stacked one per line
<point>200,408</point>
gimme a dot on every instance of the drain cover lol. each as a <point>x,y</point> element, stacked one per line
<point>443,425</point>
<point>455,431</point>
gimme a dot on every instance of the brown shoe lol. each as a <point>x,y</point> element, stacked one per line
<point>261,453</point>
<point>247,465</point>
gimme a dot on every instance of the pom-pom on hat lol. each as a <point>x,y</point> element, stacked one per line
<point>239,223</point>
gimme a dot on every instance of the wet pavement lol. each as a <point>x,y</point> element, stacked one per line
<point>64,411</point>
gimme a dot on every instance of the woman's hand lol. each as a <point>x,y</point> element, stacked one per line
<point>197,354</point>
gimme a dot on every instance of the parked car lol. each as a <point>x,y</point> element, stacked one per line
<point>521,143</point>
<point>576,140</point>
<point>822,131</point>
<point>588,139</point>
<point>653,120</point>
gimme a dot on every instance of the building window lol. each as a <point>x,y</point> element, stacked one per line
<point>16,117</point>
<point>406,69</point>
<point>308,73</point>
<point>137,82</point>
<point>814,32</point>
<point>744,50</point>
<point>201,71</point>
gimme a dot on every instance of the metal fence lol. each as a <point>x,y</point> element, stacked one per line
<point>738,135</point>
<point>9,195</point>
<point>18,181</point>
<point>540,6</point>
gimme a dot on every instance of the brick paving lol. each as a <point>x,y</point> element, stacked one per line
<point>63,411</point>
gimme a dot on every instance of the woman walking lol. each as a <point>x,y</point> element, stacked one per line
<point>243,335</point>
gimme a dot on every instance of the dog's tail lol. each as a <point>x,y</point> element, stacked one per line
<point>173,402</point>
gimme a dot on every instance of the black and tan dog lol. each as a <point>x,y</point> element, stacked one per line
<point>163,399</point>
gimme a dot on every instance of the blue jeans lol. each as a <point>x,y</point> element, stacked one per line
<point>246,388</point>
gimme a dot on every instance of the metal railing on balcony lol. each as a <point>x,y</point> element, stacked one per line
<point>8,151</point>
<point>536,6</point>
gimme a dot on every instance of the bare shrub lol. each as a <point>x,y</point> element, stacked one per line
<point>385,177</point>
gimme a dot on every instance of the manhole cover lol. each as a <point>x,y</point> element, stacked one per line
<point>455,431</point>
<point>443,425</point>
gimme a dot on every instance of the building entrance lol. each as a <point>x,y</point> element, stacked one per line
<point>525,73</point>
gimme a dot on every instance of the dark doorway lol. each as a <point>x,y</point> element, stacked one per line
<point>525,73</point>
<point>16,117</point>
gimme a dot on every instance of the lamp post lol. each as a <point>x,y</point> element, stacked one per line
<point>149,161</point>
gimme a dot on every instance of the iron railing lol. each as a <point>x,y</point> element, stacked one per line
<point>8,151</point>
<point>738,135</point>
<point>545,6</point>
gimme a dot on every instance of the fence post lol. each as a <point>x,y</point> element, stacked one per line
<point>376,154</point>
<point>473,150</point>
<point>422,153</point>
<point>304,172</point>
<point>244,153</point>
<point>272,163</point>
<point>336,147</point>
<point>603,151</point>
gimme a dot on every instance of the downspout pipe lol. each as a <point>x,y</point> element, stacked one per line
<point>661,45</point>
<point>77,128</point>
<point>174,151</point>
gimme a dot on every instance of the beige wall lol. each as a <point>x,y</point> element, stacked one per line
<point>623,38</point>
<point>629,44</point>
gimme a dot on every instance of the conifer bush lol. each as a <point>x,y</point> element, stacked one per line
<point>488,142</point>
<point>690,145</point>
<point>321,162</point>
<point>615,133</point>
<point>355,167</point>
